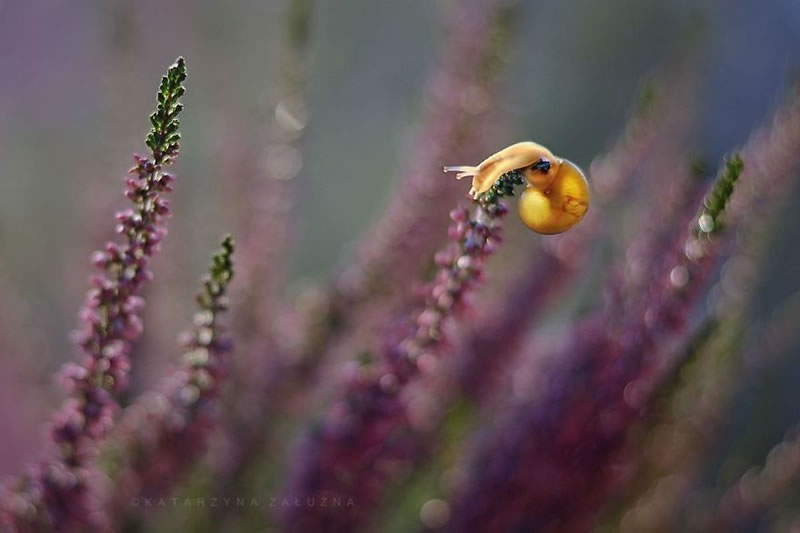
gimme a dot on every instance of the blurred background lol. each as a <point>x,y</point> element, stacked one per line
<point>76,86</point>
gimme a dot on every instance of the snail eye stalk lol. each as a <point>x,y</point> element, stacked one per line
<point>542,165</point>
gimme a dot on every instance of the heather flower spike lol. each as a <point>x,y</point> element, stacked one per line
<point>59,489</point>
<point>557,195</point>
<point>162,434</point>
<point>339,457</point>
<point>111,319</point>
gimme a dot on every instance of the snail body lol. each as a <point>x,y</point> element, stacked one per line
<point>557,193</point>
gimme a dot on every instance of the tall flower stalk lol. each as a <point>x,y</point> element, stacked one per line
<point>162,434</point>
<point>368,435</point>
<point>56,496</point>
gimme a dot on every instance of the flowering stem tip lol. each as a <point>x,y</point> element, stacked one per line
<point>710,219</point>
<point>220,274</point>
<point>164,138</point>
<point>110,323</point>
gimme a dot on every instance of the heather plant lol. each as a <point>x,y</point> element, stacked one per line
<point>56,495</point>
<point>163,433</point>
<point>577,367</point>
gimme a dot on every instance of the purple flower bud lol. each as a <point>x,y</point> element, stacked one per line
<point>99,259</point>
<point>459,215</point>
<point>133,328</point>
<point>124,215</point>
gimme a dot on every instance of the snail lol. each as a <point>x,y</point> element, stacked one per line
<point>556,196</point>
